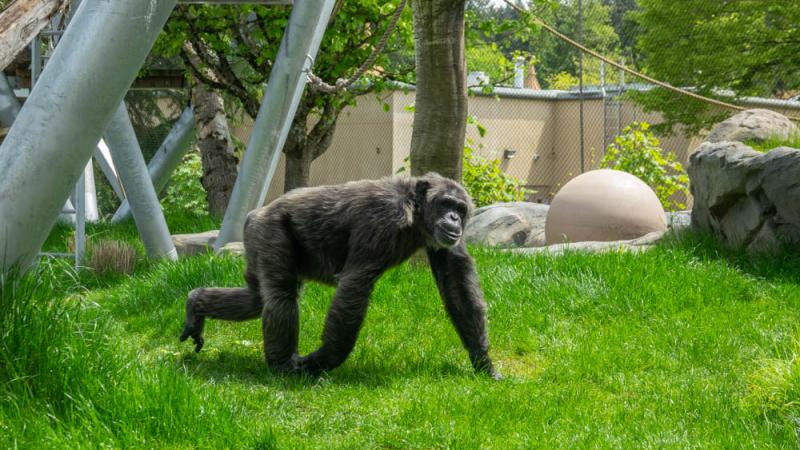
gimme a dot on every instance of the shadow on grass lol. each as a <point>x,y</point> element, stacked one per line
<point>248,369</point>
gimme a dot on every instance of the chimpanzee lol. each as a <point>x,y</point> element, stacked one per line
<point>347,235</point>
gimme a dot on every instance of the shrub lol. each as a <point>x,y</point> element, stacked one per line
<point>638,152</point>
<point>487,183</point>
<point>185,194</point>
<point>483,178</point>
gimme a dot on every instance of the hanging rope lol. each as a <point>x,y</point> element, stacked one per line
<point>342,84</point>
<point>613,63</point>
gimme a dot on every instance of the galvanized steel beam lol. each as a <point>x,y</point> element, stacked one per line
<point>142,196</point>
<point>166,158</point>
<point>299,46</point>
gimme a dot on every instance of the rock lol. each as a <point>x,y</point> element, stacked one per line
<point>744,197</point>
<point>677,220</point>
<point>232,248</point>
<point>194,243</point>
<point>518,224</point>
<point>641,244</point>
<point>716,172</point>
<point>753,124</point>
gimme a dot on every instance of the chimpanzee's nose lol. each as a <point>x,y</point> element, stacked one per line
<point>453,217</point>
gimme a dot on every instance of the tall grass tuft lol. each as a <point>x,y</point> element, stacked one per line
<point>112,257</point>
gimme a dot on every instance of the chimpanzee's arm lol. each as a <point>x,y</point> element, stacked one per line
<point>458,285</point>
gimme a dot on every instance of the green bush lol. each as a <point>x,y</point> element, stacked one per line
<point>487,183</point>
<point>484,179</point>
<point>638,152</point>
<point>185,194</point>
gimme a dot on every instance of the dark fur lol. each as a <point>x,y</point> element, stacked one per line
<point>347,235</point>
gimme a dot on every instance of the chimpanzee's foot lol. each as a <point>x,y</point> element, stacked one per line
<point>194,322</point>
<point>297,365</point>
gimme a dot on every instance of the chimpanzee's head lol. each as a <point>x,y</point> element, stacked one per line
<point>444,206</point>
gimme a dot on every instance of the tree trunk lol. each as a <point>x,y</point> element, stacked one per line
<point>298,168</point>
<point>20,22</point>
<point>216,148</point>
<point>302,147</point>
<point>437,140</point>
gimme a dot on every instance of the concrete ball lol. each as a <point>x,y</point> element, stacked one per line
<point>603,205</point>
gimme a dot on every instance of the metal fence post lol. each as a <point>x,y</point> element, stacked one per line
<point>299,46</point>
<point>142,196</point>
<point>59,126</point>
<point>580,82</point>
<point>166,158</point>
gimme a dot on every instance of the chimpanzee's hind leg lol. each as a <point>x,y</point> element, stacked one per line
<point>237,304</point>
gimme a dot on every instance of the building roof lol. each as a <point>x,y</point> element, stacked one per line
<point>596,92</point>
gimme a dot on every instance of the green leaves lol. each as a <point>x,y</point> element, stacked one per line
<point>747,46</point>
<point>237,45</point>
<point>484,179</point>
<point>184,193</point>
<point>638,152</point>
<point>487,183</point>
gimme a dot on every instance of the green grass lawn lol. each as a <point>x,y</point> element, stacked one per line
<point>687,345</point>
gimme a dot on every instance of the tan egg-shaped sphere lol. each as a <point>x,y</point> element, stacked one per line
<point>603,205</point>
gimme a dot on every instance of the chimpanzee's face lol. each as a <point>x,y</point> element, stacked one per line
<point>446,209</point>
<point>450,213</point>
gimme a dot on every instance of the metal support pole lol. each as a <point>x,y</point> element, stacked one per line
<point>36,60</point>
<point>299,46</point>
<point>90,194</point>
<point>67,214</point>
<point>59,126</point>
<point>605,104</point>
<point>133,172</point>
<point>166,159</point>
<point>619,96</point>
<point>103,157</point>
<point>80,219</point>
<point>9,105</point>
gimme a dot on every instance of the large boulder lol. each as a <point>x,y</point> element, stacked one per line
<point>746,198</point>
<point>753,125</point>
<point>517,224</point>
<point>195,243</point>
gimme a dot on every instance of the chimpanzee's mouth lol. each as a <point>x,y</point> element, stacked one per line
<point>449,237</point>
